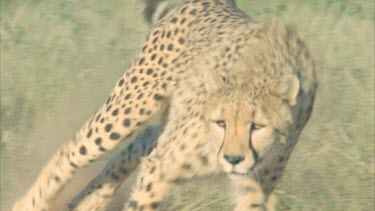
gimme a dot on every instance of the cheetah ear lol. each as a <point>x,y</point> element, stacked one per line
<point>286,88</point>
<point>213,81</point>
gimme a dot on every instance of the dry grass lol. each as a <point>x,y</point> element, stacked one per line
<point>59,60</point>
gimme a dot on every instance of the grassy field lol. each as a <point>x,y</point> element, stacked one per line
<point>60,59</point>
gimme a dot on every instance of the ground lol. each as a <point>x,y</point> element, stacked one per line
<point>64,58</point>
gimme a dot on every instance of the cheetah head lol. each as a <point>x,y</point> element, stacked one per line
<point>246,119</point>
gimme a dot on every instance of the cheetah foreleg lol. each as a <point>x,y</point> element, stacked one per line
<point>250,196</point>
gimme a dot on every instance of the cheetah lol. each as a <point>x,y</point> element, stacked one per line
<point>210,90</point>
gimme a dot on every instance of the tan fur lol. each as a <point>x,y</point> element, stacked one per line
<point>205,62</point>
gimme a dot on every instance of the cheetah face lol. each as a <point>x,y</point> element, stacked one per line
<point>245,128</point>
<point>243,135</point>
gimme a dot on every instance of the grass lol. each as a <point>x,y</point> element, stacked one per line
<point>60,59</point>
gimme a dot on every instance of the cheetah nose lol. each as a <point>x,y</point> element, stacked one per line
<point>234,159</point>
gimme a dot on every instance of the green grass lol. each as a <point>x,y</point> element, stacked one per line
<point>60,59</point>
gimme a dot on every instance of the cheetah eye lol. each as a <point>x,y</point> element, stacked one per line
<point>257,126</point>
<point>221,123</point>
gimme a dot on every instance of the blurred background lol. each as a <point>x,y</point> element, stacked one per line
<point>60,60</point>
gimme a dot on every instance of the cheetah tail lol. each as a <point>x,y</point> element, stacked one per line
<point>154,10</point>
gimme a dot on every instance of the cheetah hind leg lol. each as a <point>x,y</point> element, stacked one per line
<point>100,191</point>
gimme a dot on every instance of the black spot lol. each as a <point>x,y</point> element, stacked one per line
<point>115,177</point>
<point>108,128</point>
<point>89,133</point>
<point>141,61</point>
<point>170,47</point>
<point>160,60</point>
<point>109,108</point>
<point>98,141</point>
<point>255,205</point>
<point>174,20</point>
<point>153,57</point>
<point>73,164</point>
<point>183,21</point>
<point>140,96</point>
<point>273,178</point>
<point>127,96</point>
<point>130,147</point>
<point>102,149</point>
<point>127,110</point>
<point>114,136</point>
<point>181,40</point>
<point>155,205</point>
<point>193,12</point>
<point>169,34</point>
<point>57,178</point>
<point>141,111</point>
<point>134,79</point>
<point>205,4</point>
<point>182,147</point>
<point>123,170</point>
<point>126,122</point>
<point>97,117</point>
<point>148,187</point>
<point>144,48</point>
<point>82,150</point>
<point>186,166</point>
<point>158,97</point>
<point>146,83</point>
<point>149,71</point>
<point>133,204</point>
<point>176,31</point>
<point>115,112</point>
<point>154,40</point>
<point>121,82</point>
<point>161,47</point>
<point>183,10</point>
<point>152,170</point>
<point>203,159</point>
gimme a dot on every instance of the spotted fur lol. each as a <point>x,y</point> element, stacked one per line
<point>203,64</point>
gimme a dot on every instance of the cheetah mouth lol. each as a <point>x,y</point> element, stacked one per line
<point>234,173</point>
<point>251,170</point>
